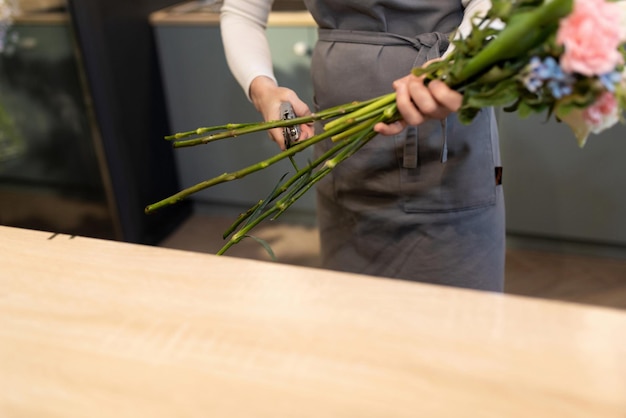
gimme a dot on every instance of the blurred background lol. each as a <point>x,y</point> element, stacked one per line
<point>88,90</point>
<point>82,115</point>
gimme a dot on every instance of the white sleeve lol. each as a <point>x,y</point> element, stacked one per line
<point>242,26</point>
<point>473,8</point>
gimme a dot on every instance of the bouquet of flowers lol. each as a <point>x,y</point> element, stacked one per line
<point>564,58</point>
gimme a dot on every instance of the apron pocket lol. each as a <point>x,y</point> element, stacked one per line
<point>464,181</point>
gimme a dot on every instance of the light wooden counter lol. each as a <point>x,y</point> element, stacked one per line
<point>92,328</point>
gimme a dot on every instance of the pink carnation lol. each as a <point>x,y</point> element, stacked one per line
<point>591,35</point>
<point>602,114</point>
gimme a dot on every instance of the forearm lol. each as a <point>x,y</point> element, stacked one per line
<point>242,25</point>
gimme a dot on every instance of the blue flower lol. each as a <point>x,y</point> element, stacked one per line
<point>548,73</point>
<point>610,80</point>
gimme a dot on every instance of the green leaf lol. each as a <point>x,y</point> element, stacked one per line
<point>525,110</point>
<point>266,201</point>
<point>265,245</point>
<point>501,94</point>
<point>254,212</point>
<point>467,115</point>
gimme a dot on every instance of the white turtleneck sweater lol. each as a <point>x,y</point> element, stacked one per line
<point>243,24</point>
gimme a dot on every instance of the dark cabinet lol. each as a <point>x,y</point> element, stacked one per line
<point>82,122</point>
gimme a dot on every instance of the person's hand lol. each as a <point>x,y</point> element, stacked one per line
<point>418,103</point>
<point>267,97</point>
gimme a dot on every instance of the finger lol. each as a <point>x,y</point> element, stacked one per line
<point>410,113</point>
<point>276,135</point>
<point>306,132</point>
<point>300,108</point>
<point>423,99</point>
<point>447,97</point>
<point>390,129</point>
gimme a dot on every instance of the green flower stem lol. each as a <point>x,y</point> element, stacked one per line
<point>357,128</point>
<point>387,111</point>
<point>241,234</point>
<point>345,108</point>
<point>375,105</point>
<point>257,127</point>
<point>279,206</point>
<point>351,146</point>
<point>204,130</point>
<point>226,177</point>
<point>283,188</point>
<point>348,133</point>
<point>234,130</point>
<point>357,142</point>
<point>241,218</point>
<point>525,32</point>
<point>386,114</point>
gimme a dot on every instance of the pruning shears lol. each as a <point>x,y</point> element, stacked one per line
<point>290,133</point>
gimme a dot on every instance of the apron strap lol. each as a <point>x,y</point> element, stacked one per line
<point>429,46</point>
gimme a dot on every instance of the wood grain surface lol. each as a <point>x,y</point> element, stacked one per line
<point>94,328</point>
<point>168,16</point>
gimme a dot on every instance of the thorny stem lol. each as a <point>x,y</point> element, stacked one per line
<point>234,130</point>
<point>226,177</point>
<point>375,105</point>
<point>282,189</point>
<point>355,143</point>
<point>204,130</point>
<point>241,218</point>
<point>242,233</point>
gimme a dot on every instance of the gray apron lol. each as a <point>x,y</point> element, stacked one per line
<point>422,205</point>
